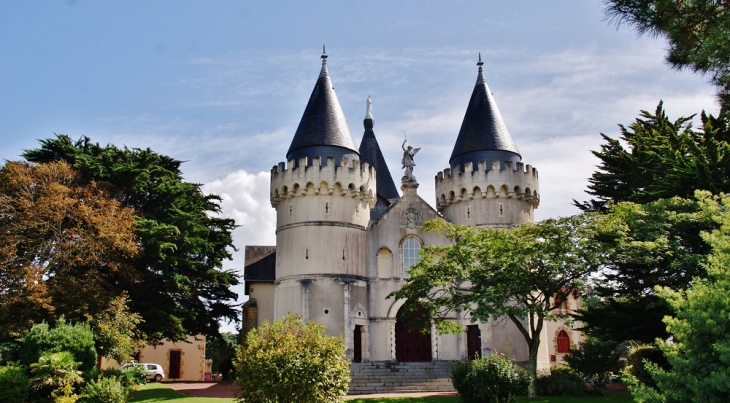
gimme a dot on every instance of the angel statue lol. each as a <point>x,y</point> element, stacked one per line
<point>408,154</point>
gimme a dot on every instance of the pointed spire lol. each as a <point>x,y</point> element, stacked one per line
<point>370,152</point>
<point>324,71</point>
<point>323,130</point>
<point>484,135</point>
<point>480,76</point>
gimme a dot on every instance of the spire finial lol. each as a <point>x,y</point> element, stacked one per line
<point>480,76</point>
<point>324,71</point>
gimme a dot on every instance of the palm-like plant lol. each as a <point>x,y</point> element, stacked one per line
<point>57,372</point>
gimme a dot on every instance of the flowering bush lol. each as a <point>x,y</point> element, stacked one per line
<point>495,378</point>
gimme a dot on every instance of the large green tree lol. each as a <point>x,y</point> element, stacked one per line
<point>652,161</point>
<point>65,248</point>
<point>697,32</point>
<point>181,288</point>
<point>699,350</point>
<point>522,273</point>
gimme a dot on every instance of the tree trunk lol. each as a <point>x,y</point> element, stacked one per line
<point>532,366</point>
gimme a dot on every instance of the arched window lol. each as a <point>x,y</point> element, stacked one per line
<point>563,342</point>
<point>411,254</point>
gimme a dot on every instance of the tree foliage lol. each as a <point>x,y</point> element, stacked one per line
<point>181,287</point>
<point>522,273</point>
<point>697,32</point>
<point>654,160</point>
<point>115,331</point>
<point>699,351</point>
<point>656,157</point>
<point>66,246</point>
<point>656,243</point>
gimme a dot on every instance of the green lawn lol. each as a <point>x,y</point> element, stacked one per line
<point>157,392</point>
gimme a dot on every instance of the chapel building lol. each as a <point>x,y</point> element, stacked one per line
<point>346,237</point>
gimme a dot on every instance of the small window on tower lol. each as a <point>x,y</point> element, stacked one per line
<point>290,210</point>
<point>326,208</point>
<point>468,213</point>
<point>501,209</point>
<point>344,254</point>
<point>306,254</point>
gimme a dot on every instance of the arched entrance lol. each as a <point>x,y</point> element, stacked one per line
<point>411,345</point>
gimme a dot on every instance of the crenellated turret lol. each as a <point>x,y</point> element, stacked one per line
<point>347,178</point>
<point>487,184</point>
<point>323,196</point>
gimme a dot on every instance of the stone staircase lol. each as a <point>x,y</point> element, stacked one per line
<point>386,377</point>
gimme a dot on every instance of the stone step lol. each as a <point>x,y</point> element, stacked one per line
<point>383,377</point>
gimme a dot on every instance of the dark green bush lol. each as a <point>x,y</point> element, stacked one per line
<point>596,360</point>
<point>9,352</point>
<point>13,384</point>
<point>77,339</point>
<point>494,378</point>
<point>641,352</point>
<point>560,381</point>
<point>106,389</point>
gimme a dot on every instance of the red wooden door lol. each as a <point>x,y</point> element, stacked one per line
<point>411,345</point>
<point>473,341</point>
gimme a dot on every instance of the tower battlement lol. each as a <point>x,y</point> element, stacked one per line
<point>351,178</point>
<point>505,179</point>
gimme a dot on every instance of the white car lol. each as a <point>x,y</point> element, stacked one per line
<point>154,371</point>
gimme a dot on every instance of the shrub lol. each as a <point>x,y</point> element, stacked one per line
<point>55,374</point>
<point>596,360</point>
<point>77,339</point>
<point>638,356</point>
<point>290,361</point>
<point>494,378</point>
<point>106,389</point>
<point>13,384</point>
<point>560,381</point>
<point>9,351</point>
<point>133,376</point>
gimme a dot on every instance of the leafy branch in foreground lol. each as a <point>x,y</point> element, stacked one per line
<point>521,273</point>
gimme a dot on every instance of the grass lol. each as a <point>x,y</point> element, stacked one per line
<point>157,392</point>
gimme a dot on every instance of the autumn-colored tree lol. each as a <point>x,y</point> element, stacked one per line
<point>182,288</point>
<point>65,246</point>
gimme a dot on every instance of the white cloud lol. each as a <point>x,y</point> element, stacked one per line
<point>245,198</point>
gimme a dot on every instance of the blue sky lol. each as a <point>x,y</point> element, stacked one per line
<point>222,85</point>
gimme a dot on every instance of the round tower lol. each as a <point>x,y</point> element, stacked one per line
<point>323,200</point>
<point>487,183</point>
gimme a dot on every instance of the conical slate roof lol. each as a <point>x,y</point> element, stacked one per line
<point>370,153</point>
<point>323,130</point>
<point>484,135</point>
